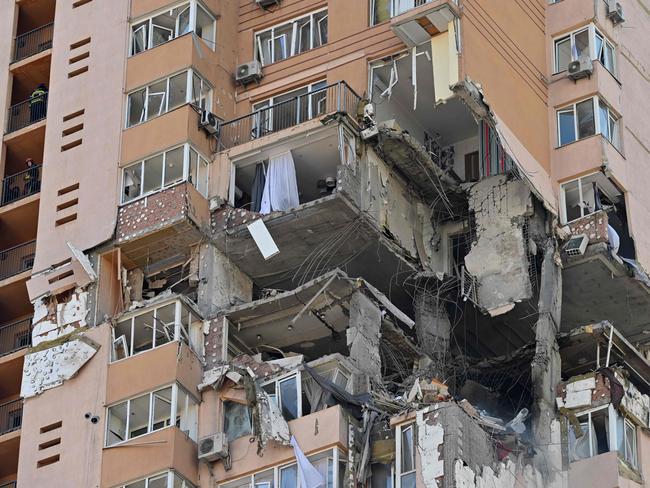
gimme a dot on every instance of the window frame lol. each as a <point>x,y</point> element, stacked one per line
<point>614,120</point>
<point>296,31</point>
<point>171,474</point>
<point>190,73</point>
<point>193,5</point>
<point>593,33</point>
<point>399,451</point>
<point>338,458</point>
<point>181,331</point>
<point>278,394</point>
<point>173,414</point>
<point>187,148</point>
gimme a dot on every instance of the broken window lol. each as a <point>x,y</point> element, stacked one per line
<point>236,420</point>
<point>331,464</point>
<point>287,394</point>
<point>585,43</point>
<point>586,195</point>
<point>578,121</point>
<point>289,109</point>
<point>155,327</point>
<point>382,10</point>
<point>171,23</point>
<point>169,479</point>
<point>626,440</point>
<point>406,456</point>
<point>290,38</point>
<point>472,166</point>
<point>164,95</point>
<point>165,170</point>
<point>150,412</point>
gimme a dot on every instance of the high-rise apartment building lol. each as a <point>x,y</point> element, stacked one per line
<point>324,243</point>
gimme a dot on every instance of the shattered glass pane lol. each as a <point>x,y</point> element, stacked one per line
<point>289,398</point>
<point>236,420</point>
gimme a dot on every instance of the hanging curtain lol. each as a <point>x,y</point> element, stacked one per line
<point>258,187</point>
<point>280,188</point>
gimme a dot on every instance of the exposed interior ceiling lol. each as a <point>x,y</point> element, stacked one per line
<point>451,120</point>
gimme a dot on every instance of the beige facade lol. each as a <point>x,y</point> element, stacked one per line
<point>408,237</point>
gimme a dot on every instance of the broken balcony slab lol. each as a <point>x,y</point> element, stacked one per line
<point>313,319</point>
<point>162,226</point>
<point>586,348</point>
<point>420,24</point>
<point>600,287</point>
<point>317,237</point>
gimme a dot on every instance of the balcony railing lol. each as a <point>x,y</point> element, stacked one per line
<point>338,97</point>
<point>17,259</point>
<point>21,185</point>
<point>11,416</point>
<point>15,336</point>
<point>26,113</point>
<point>33,42</point>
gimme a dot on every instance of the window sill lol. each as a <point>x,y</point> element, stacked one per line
<point>207,43</point>
<point>148,350</point>
<point>156,116</point>
<point>151,193</point>
<point>591,137</point>
<point>141,436</point>
<point>295,56</point>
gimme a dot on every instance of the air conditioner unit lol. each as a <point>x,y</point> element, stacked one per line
<point>209,122</point>
<point>248,72</point>
<point>576,245</point>
<point>615,12</point>
<point>581,68</point>
<point>267,3</point>
<point>213,447</point>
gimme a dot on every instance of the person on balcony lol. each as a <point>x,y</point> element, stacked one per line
<point>38,103</point>
<point>31,181</point>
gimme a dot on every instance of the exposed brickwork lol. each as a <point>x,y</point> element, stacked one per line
<point>228,217</point>
<point>599,396</point>
<point>593,225</point>
<point>156,211</point>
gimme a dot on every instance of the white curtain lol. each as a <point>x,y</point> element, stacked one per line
<point>280,188</point>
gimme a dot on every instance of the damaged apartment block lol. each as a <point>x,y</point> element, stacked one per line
<point>365,280</point>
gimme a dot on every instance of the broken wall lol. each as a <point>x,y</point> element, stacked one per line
<point>499,258</point>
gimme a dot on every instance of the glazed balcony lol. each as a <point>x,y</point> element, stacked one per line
<point>33,42</point>
<point>24,114</point>
<point>335,98</point>
<point>21,185</point>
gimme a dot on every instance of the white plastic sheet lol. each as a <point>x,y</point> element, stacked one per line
<point>311,478</point>
<point>281,188</point>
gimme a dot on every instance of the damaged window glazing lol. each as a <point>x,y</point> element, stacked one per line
<point>585,43</point>
<point>183,163</point>
<point>578,121</point>
<point>167,94</point>
<point>170,479</point>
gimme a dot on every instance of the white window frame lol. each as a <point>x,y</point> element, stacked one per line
<point>293,49</point>
<point>181,330</point>
<point>398,452</point>
<point>193,6</point>
<point>171,474</point>
<point>173,410</point>
<point>278,395</point>
<point>189,95</point>
<point>633,457</point>
<point>593,55</point>
<point>597,55</point>
<point>337,457</point>
<point>185,178</point>
<point>613,121</point>
<point>394,8</point>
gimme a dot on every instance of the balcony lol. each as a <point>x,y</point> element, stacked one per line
<point>11,416</point>
<point>17,259</point>
<point>33,42</point>
<point>15,336</point>
<point>21,185</point>
<point>24,114</point>
<point>335,98</point>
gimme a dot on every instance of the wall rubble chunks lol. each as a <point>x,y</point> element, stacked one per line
<point>498,258</point>
<point>49,368</point>
<point>432,324</point>
<point>56,316</point>
<point>430,439</point>
<point>363,334</point>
